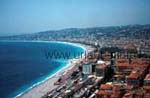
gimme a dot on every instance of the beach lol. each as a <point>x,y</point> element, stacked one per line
<point>47,85</point>
<point>44,87</point>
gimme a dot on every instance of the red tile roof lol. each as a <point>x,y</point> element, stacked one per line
<point>106,86</point>
<point>147,77</point>
<point>109,90</point>
<point>134,62</point>
<point>134,75</point>
<point>127,86</point>
<point>146,87</point>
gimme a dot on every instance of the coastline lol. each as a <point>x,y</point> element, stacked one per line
<point>43,87</point>
<point>52,78</point>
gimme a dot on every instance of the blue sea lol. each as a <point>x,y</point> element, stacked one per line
<point>24,64</point>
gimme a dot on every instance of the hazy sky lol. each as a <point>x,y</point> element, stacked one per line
<point>27,16</point>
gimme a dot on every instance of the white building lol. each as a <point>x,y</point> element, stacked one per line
<point>87,69</point>
<point>100,68</point>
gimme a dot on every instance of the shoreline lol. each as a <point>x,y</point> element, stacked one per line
<point>55,75</point>
<point>43,87</point>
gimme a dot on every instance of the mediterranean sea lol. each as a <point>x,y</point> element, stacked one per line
<point>24,64</point>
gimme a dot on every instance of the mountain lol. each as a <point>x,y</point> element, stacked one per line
<point>132,31</point>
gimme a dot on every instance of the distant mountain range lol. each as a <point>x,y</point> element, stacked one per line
<point>133,31</point>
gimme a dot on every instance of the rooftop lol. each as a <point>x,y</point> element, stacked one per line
<point>133,62</point>
<point>109,90</point>
<point>134,74</point>
<point>100,66</point>
<point>127,95</point>
<point>100,62</point>
<point>147,77</point>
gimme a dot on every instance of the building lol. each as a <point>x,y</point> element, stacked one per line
<point>87,69</point>
<point>126,66</point>
<point>147,80</point>
<point>133,79</point>
<point>100,68</point>
<point>109,91</point>
<point>127,95</point>
<point>146,86</point>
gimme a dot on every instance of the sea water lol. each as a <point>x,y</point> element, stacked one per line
<point>24,64</point>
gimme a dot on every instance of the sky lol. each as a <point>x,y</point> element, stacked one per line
<point>29,16</point>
